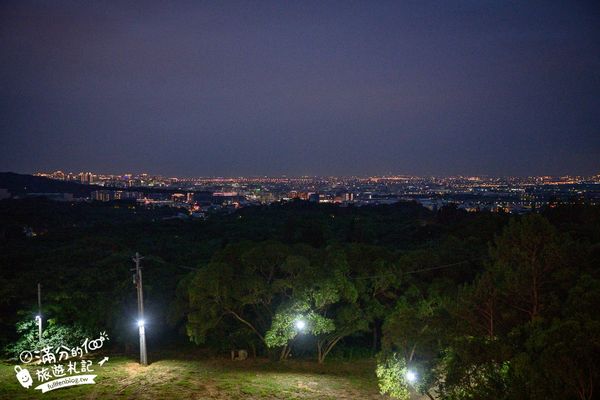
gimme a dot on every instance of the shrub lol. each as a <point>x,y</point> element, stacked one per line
<point>53,335</point>
<point>391,374</point>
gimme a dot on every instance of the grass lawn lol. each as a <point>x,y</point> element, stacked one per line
<point>123,378</point>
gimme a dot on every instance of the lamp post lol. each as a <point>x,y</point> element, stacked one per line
<point>137,280</point>
<point>38,317</point>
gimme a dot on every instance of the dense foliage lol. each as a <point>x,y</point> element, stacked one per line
<point>524,328</point>
<point>53,336</point>
<point>478,305</point>
<point>391,372</point>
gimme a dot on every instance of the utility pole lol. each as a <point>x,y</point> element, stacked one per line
<point>137,280</point>
<point>39,316</point>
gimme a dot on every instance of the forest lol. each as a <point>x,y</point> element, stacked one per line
<point>450,304</point>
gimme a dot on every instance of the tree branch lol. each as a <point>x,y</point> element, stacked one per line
<point>242,320</point>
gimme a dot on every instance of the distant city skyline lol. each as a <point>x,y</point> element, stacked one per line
<point>471,193</point>
<point>74,174</point>
<point>305,88</point>
<point>274,175</point>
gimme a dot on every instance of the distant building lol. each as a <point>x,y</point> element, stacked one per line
<point>343,197</point>
<point>313,197</point>
<point>178,198</point>
<point>102,195</point>
<point>86,178</point>
<point>294,194</point>
<point>58,175</point>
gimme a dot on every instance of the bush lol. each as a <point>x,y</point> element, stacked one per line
<point>53,335</point>
<point>391,374</point>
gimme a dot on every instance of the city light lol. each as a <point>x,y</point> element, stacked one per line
<point>411,376</point>
<point>485,193</point>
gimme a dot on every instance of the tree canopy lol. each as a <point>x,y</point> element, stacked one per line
<point>477,305</point>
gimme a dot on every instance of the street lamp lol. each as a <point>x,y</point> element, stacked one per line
<point>38,319</point>
<point>142,331</point>
<point>411,376</point>
<point>300,324</point>
<point>137,281</point>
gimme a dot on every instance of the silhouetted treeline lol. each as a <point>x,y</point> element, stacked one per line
<point>479,303</point>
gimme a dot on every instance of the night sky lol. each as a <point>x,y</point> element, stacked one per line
<point>230,88</point>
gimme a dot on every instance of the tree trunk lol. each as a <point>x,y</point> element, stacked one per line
<point>282,355</point>
<point>325,347</point>
<point>248,324</point>
<point>491,321</point>
<point>320,352</point>
<point>374,344</point>
<point>287,353</point>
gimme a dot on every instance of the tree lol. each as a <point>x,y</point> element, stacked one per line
<point>349,319</point>
<point>391,374</point>
<point>324,297</point>
<point>376,278</point>
<point>560,357</point>
<point>285,325</point>
<point>53,335</point>
<point>514,335</point>
<point>416,332</point>
<point>335,296</point>
<point>525,258</point>
<point>241,283</point>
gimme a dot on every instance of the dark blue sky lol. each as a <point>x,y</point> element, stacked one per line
<point>301,87</point>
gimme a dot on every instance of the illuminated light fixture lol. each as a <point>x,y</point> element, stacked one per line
<point>38,319</point>
<point>141,323</point>
<point>300,324</point>
<point>411,376</point>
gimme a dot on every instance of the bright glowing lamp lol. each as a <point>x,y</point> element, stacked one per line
<point>300,324</point>
<point>141,323</point>
<point>411,376</point>
<point>38,319</point>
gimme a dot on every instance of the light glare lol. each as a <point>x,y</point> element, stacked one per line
<point>141,323</point>
<point>300,324</point>
<point>411,376</point>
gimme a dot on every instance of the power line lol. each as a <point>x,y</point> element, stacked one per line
<point>186,267</point>
<point>174,265</point>
<point>367,277</point>
<point>439,267</point>
<point>419,270</point>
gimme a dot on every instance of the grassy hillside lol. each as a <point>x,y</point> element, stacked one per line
<point>211,379</point>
